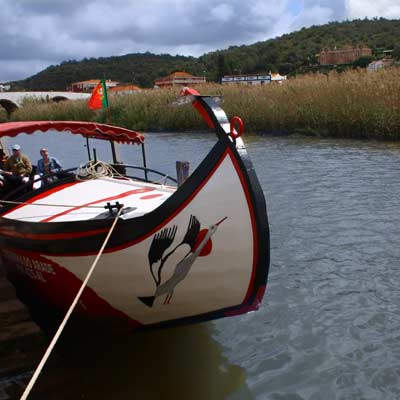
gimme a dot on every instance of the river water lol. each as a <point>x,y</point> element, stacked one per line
<point>329,325</point>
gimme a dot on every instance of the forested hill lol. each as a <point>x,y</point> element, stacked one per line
<point>288,53</point>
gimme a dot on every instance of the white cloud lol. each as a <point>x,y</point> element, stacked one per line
<point>370,9</point>
<point>37,33</point>
<point>222,12</point>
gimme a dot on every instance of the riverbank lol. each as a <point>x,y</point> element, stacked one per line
<point>353,104</point>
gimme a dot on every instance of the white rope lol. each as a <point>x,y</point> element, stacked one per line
<point>68,314</point>
<point>94,170</point>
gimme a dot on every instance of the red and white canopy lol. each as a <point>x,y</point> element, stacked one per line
<point>87,129</point>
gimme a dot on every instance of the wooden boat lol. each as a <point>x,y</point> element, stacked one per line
<point>177,255</point>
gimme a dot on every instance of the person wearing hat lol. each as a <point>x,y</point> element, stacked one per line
<point>48,167</point>
<point>18,167</point>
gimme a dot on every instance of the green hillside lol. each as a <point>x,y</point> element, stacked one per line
<point>291,53</point>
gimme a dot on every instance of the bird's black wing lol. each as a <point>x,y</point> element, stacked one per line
<point>161,241</point>
<point>192,232</point>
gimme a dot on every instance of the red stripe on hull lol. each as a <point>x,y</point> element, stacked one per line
<point>51,236</point>
<point>56,287</point>
<point>42,195</point>
<point>253,225</point>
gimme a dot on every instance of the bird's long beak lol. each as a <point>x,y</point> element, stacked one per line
<point>222,220</point>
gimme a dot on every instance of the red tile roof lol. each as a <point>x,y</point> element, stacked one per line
<point>124,87</point>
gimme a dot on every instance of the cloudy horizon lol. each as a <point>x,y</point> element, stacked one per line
<point>35,34</point>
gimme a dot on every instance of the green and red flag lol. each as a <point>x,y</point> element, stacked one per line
<point>99,96</point>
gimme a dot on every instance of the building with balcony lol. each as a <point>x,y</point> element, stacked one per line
<point>89,85</point>
<point>124,89</point>
<point>253,79</point>
<point>179,79</point>
<point>346,55</point>
<point>377,65</point>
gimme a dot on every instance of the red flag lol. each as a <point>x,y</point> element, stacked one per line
<point>99,96</point>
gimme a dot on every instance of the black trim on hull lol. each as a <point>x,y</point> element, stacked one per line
<point>126,231</point>
<point>129,231</point>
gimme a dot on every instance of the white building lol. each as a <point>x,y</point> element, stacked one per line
<point>379,64</point>
<point>253,79</point>
<point>4,88</point>
<point>89,85</point>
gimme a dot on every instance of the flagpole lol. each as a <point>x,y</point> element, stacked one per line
<point>109,121</point>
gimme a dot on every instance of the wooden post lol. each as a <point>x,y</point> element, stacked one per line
<point>182,171</point>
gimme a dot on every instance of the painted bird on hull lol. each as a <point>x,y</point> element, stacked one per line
<point>199,243</point>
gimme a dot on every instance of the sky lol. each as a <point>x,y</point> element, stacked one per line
<point>35,34</point>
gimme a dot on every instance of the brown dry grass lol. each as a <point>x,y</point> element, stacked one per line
<point>354,104</point>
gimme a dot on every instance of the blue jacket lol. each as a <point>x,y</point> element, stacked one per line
<point>54,166</point>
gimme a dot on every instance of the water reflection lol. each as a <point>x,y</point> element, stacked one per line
<point>178,363</point>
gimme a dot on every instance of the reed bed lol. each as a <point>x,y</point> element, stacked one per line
<point>353,104</point>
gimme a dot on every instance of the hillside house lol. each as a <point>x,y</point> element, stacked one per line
<point>179,78</point>
<point>346,55</point>
<point>89,85</point>
<point>379,64</point>
<point>253,79</point>
<point>124,89</point>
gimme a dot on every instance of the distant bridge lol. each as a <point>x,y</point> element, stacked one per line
<point>13,100</point>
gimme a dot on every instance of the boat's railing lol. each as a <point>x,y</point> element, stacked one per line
<point>29,185</point>
<point>120,168</point>
<point>146,171</point>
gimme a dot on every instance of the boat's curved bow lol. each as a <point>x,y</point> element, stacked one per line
<point>197,252</point>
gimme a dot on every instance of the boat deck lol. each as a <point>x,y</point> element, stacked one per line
<point>84,200</point>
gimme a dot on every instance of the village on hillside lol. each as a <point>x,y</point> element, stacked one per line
<point>327,59</point>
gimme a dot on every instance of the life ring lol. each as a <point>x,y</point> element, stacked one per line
<point>236,131</point>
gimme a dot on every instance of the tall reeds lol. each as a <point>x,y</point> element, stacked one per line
<point>353,104</point>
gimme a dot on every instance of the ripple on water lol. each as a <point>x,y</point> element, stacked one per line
<point>332,302</point>
<point>329,324</point>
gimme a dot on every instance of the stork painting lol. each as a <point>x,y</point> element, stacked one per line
<point>200,244</point>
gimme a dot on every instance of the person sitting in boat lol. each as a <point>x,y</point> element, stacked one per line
<point>17,168</point>
<point>3,158</point>
<point>48,167</point>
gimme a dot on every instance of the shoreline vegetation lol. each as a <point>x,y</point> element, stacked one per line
<point>354,104</point>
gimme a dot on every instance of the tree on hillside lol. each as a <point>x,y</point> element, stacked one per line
<point>290,52</point>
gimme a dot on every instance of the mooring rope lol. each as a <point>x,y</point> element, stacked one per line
<point>68,314</point>
<point>46,204</point>
<point>95,170</point>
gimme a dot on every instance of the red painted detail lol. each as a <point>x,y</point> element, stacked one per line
<point>253,224</point>
<point>259,296</point>
<point>206,250</point>
<point>86,129</point>
<point>43,195</point>
<point>51,236</point>
<point>187,91</point>
<point>251,307</point>
<point>199,107</point>
<point>106,199</point>
<point>151,196</point>
<point>55,286</point>
<point>236,122</point>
